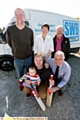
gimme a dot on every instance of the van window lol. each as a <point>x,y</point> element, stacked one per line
<point>1,37</point>
<point>27,23</point>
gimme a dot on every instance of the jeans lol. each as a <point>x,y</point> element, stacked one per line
<point>21,66</point>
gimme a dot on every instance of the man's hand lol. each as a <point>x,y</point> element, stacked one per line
<point>51,82</point>
<point>54,89</point>
<point>46,65</point>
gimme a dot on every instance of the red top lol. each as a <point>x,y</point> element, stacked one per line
<point>58,45</point>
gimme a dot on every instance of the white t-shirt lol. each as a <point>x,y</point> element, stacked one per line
<point>43,46</point>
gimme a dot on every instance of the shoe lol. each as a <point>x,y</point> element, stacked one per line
<point>60,93</point>
<point>31,94</point>
<point>28,95</point>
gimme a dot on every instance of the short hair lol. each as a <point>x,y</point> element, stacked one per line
<point>45,25</point>
<point>38,55</point>
<point>32,67</point>
<point>19,9</point>
<point>59,53</point>
<point>59,26</point>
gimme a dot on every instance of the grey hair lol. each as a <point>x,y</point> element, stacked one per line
<point>19,9</point>
<point>60,53</point>
<point>59,26</point>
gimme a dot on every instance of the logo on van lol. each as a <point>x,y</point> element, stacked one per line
<point>38,27</point>
<point>71,29</point>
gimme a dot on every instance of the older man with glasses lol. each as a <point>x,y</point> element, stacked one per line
<point>61,42</point>
<point>61,71</point>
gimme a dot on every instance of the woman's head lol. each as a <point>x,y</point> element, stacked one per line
<point>45,28</point>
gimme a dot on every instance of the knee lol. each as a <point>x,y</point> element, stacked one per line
<point>26,90</point>
<point>43,95</point>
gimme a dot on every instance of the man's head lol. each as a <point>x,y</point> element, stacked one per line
<point>59,31</point>
<point>19,15</point>
<point>38,60</point>
<point>32,70</point>
<point>59,58</point>
<point>45,29</point>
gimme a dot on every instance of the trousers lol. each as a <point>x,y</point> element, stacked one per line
<point>21,66</point>
<point>42,90</point>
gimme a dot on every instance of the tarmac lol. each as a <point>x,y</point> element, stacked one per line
<point>65,107</point>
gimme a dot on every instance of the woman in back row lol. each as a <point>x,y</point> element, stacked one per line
<point>43,43</point>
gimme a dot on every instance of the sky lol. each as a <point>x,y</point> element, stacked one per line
<point>65,7</point>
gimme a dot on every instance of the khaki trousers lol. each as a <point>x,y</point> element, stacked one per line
<point>42,90</point>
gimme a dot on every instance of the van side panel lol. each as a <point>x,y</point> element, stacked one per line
<point>71,25</point>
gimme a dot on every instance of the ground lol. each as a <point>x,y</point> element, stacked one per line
<point>15,104</point>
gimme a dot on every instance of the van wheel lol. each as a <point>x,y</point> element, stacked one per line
<point>7,64</point>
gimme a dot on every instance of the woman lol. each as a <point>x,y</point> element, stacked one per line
<point>43,43</point>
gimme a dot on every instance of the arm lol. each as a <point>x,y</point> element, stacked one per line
<point>48,54</point>
<point>35,45</point>
<point>68,47</point>
<point>26,79</point>
<point>37,82</point>
<point>8,38</point>
<point>32,39</point>
<point>51,49</point>
<point>65,78</point>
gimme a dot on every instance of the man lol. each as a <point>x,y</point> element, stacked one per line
<point>44,74</point>
<point>63,70</point>
<point>61,43</point>
<point>20,39</point>
<point>44,43</point>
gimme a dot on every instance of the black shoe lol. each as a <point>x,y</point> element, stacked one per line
<point>60,93</point>
<point>28,95</point>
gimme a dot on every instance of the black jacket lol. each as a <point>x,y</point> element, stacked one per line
<point>65,46</point>
<point>44,74</point>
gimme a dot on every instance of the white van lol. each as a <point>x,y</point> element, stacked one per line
<point>35,19</point>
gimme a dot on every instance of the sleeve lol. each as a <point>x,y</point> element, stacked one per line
<point>21,80</point>
<point>68,47</point>
<point>65,78</point>
<point>8,38</point>
<point>35,49</point>
<point>51,45</point>
<point>32,39</point>
<point>38,81</point>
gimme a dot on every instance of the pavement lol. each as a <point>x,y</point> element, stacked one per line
<point>65,107</point>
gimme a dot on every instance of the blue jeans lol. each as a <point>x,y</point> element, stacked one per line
<point>21,66</point>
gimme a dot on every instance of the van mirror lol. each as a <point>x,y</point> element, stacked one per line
<point>2,38</point>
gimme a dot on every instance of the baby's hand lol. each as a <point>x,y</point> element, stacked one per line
<point>28,82</point>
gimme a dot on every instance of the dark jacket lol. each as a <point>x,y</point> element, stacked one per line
<point>65,47</point>
<point>44,74</point>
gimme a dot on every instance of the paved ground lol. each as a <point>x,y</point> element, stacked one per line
<point>15,104</point>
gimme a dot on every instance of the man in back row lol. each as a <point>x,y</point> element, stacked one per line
<point>20,39</point>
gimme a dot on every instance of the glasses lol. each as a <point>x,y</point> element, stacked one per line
<point>21,15</point>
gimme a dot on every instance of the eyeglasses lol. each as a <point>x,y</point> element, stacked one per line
<point>21,15</point>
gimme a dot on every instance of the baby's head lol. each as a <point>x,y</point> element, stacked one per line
<point>32,70</point>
